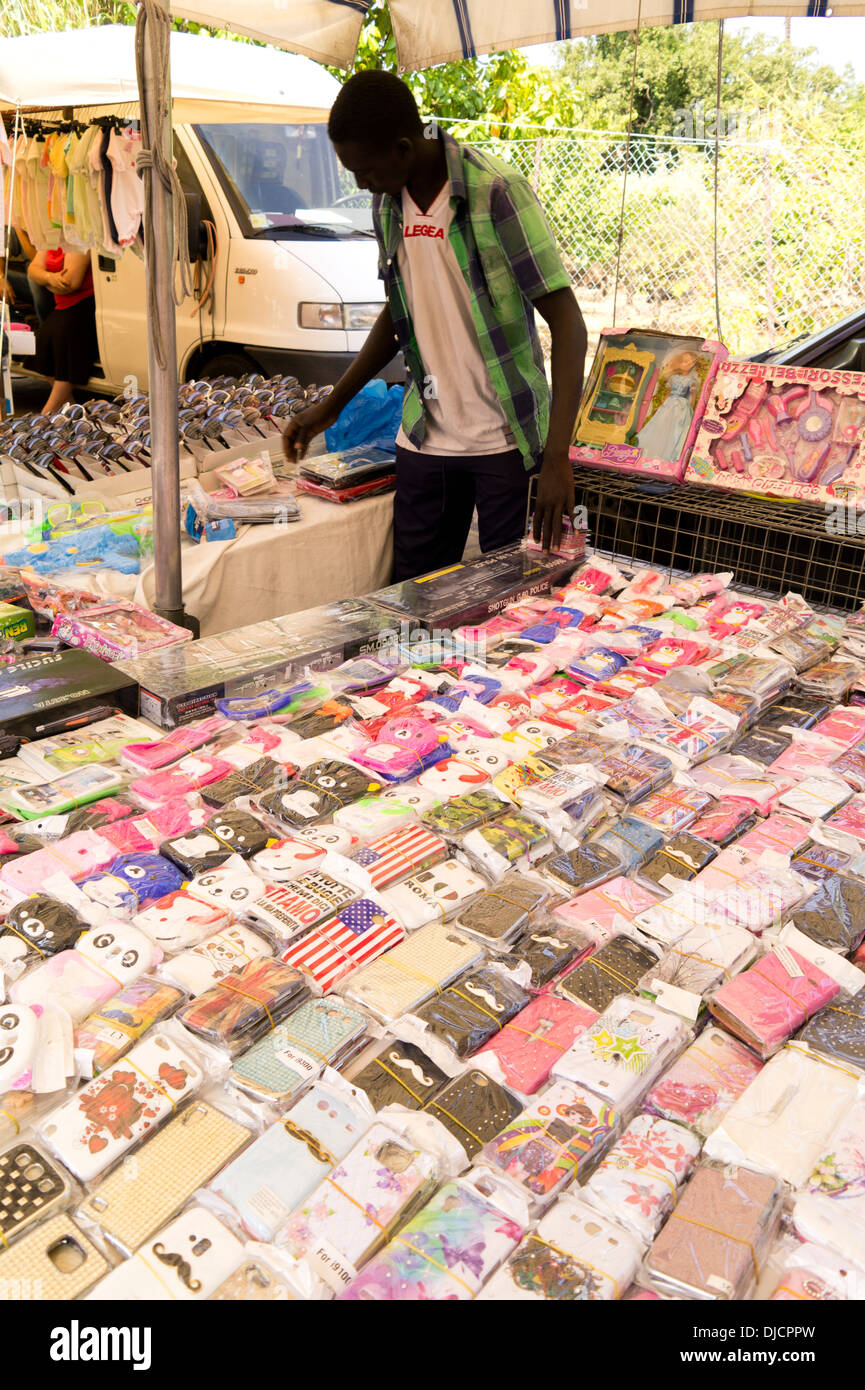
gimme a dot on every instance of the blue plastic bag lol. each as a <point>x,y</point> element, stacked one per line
<point>372,417</point>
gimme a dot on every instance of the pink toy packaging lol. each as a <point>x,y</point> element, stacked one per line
<point>644,401</point>
<point>793,432</point>
<point>117,631</point>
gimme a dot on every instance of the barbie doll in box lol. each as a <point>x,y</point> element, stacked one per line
<point>664,434</point>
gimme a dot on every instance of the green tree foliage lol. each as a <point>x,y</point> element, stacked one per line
<point>506,92</point>
<point>677,74</point>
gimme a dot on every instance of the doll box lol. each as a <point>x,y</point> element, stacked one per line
<point>41,689</point>
<point>644,401</point>
<point>474,590</point>
<point>791,432</point>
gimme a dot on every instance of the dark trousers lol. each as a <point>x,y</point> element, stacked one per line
<point>436,495</point>
<point>26,291</point>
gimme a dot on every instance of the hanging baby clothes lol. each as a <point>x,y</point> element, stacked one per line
<point>127,188</point>
<point>5,182</point>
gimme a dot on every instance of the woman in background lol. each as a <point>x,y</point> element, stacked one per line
<point>66,343</point>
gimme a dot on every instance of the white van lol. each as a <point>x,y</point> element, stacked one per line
<point>294,282</point>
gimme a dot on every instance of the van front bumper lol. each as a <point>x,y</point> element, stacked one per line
<point>320,368</point>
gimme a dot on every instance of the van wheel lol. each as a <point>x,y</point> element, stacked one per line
<point>227,364</point>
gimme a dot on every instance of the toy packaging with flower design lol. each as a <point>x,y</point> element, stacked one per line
<point>644,401</point>
<point>791,432</point>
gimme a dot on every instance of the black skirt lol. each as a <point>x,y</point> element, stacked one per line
<point>66,343</point>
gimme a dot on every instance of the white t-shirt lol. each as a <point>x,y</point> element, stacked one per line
<point>463,412</point>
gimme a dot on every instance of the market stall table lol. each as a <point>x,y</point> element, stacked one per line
<point>333,552</point>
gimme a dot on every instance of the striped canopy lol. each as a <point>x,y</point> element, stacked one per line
<point>438,31</point>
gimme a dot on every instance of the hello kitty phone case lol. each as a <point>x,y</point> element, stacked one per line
<point>178,921</point>
<point>287,859</point>
<point>120,1107</point>
<point>188,1261</point>
<point>55,1262</point>
<point>148,1187</point>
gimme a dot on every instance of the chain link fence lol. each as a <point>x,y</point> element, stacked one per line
<point>791,231</point>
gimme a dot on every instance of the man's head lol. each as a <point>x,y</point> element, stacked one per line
<point>375,128</point>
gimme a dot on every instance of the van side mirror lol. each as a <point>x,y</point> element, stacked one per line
<point>196,234</point>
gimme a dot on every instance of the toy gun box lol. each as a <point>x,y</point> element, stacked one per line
<point>41,689</point>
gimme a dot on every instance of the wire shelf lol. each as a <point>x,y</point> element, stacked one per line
<point>770,546</point>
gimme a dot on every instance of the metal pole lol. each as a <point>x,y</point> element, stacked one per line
<point>159,269</point>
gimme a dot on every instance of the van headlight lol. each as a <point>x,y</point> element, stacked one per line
<point>361,316</point>
<point>320,315</point>
<point>346,316</point>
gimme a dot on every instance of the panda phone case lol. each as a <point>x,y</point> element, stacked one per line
<point>54,1262</point>
<point>32,1187</point>
<point>148,1187</point>
<point>121,1107</point>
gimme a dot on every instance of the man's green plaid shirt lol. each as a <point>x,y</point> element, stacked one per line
<point>507,253</point>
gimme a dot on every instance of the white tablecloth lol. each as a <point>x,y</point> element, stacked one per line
<point>335,551</point>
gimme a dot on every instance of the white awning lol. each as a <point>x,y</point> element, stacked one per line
<point>93,71</point>
<point>437,31</point>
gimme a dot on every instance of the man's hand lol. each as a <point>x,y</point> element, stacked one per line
<point>555,498</point>
<point>6,290</point>
<point>305,425</point>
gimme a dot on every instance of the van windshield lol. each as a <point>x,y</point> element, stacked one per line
<point>285,180</point>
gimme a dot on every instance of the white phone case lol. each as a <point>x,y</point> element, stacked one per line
<point>187,1261</point>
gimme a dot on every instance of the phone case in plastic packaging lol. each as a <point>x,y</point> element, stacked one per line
<point>568,803</point>
<point>549,948</point>
<point>785,1117</point>
<point>574,1255</point>
<point>532,769</point>
<point>832,679</point>
<point>151,1185</point>
<point>724,822</point>
<point>561,1136</point>
<point>234,1013</point>
<point>374,1189</point>
<point>576,870</point>
<point>199,968</point>
<point>435,894</point>
<point>447,1251</point>
<point>280,1168</point>
<point>469,1012</point>
<point>322,1032</point>
<point>105,960</point>
<point>715,1243</point>
<point>700,961</point>
<point>357,935</point>
<point>703,1082</point>
<point>499,915</point>
<point>454,818</point>
<point>122,1106</point>
<point>815,1274</point>
<point>33,1187</point>
<point>630,840</point>
<point>412,970</point>
<point>189,775</point>
<point>396,1073</point>
<point>636,1185</point>
<point>286,909</point>
<point>514,839</point>
<point>394,808</point>
<point>287,859</point>
<point>104,1036</point>
<point>178,921</point>
<point>795,711</point>
<point>838,1031</point>
<point>678,861</point>
<point>79,854</point>
<point>227,832</point>
<point>233,887</point>
<point>474,1109</point>
<point>400,853</point>
<point>624,1051</point>
<point>605,912</point>
<point>36,927</point>
<point>316,793</point>
<point>132,882</point>
<point>830,1208</point>
<point>523,1053</point>
<point>767,1003</point>
<point>634,772</point>
<point>615,968</point>
<point>187,1262</point>
<point>834,914</point>
<point>54,1261</point>
<point>256,780</point>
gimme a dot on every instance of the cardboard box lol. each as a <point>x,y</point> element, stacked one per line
<point>473,591</point>
<point>16,623</point>
<point>48,686</point>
